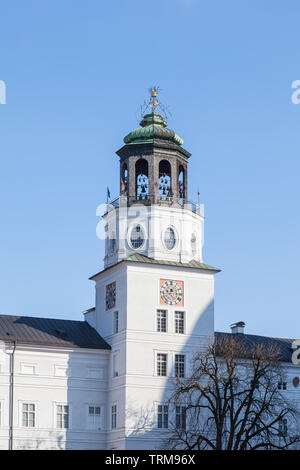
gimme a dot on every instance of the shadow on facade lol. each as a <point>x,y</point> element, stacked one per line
<point>145,430</point>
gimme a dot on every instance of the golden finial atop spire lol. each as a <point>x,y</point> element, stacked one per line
<point>153,103</point>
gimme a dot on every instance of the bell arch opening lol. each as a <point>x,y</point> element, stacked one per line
<point>164,181</point>
<point>124,179</point>
<point>141,180</point>
<point>181,184</point>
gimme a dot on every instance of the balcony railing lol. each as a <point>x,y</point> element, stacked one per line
<point>160,201</point>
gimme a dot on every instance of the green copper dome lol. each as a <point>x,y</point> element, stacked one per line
<point>152,127</point>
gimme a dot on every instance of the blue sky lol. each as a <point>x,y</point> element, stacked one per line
<point>76,73</point>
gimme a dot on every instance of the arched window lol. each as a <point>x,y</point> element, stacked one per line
<point>181,183</point>
<point>164,181</point>
<point>141,181</point>
<point>124,179</point>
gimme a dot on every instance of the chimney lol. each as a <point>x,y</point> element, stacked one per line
<point>238,327</point>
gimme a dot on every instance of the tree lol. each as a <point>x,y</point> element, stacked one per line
<point>232,400</point>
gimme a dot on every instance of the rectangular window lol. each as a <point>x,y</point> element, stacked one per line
<point>179,365</point>
<point>283,429</point>
<point>161,321</point>
<point>62,416</point>
<point>282,385</point>
<point>116,322</point>
<point>179,322</point>
<point>162,416</point>
<point>114,416</point>
<point>180,417</point>
<point>162,364</point>
<point>115,365</point>
<point>28,415</point>
<point>94,417</point>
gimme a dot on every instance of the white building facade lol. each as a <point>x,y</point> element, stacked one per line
<point>104,383</point>
<point>51,397</point>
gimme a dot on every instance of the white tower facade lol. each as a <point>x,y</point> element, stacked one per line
<point>155,296</point>
<point>161,232</point>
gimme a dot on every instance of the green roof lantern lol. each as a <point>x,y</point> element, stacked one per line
<point>153,125</point>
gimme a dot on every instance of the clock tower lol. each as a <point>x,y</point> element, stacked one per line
<point>155,295</point>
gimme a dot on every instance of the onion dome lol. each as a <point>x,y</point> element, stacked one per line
<point>152,127</point>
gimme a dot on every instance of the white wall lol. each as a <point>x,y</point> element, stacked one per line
<point>154,220</point>
<point>137,390</point>
<point>45,377</point>
<point>145,390</point>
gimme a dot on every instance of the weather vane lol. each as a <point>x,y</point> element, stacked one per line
<point>154,104</point>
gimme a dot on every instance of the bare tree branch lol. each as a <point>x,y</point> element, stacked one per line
<point>233,402</point>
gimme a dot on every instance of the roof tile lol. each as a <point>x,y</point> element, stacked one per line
<point>283,345</point>
<point>51,332</point>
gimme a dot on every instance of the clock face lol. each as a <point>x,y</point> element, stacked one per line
<point>110,295</point>
<point>171,292</point>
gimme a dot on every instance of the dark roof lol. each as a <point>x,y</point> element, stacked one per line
<point>50,332</point>
<point>138,258</point>
<point>282,345</point>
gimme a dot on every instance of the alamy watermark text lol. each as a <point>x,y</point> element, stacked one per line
<point>2,92</point>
